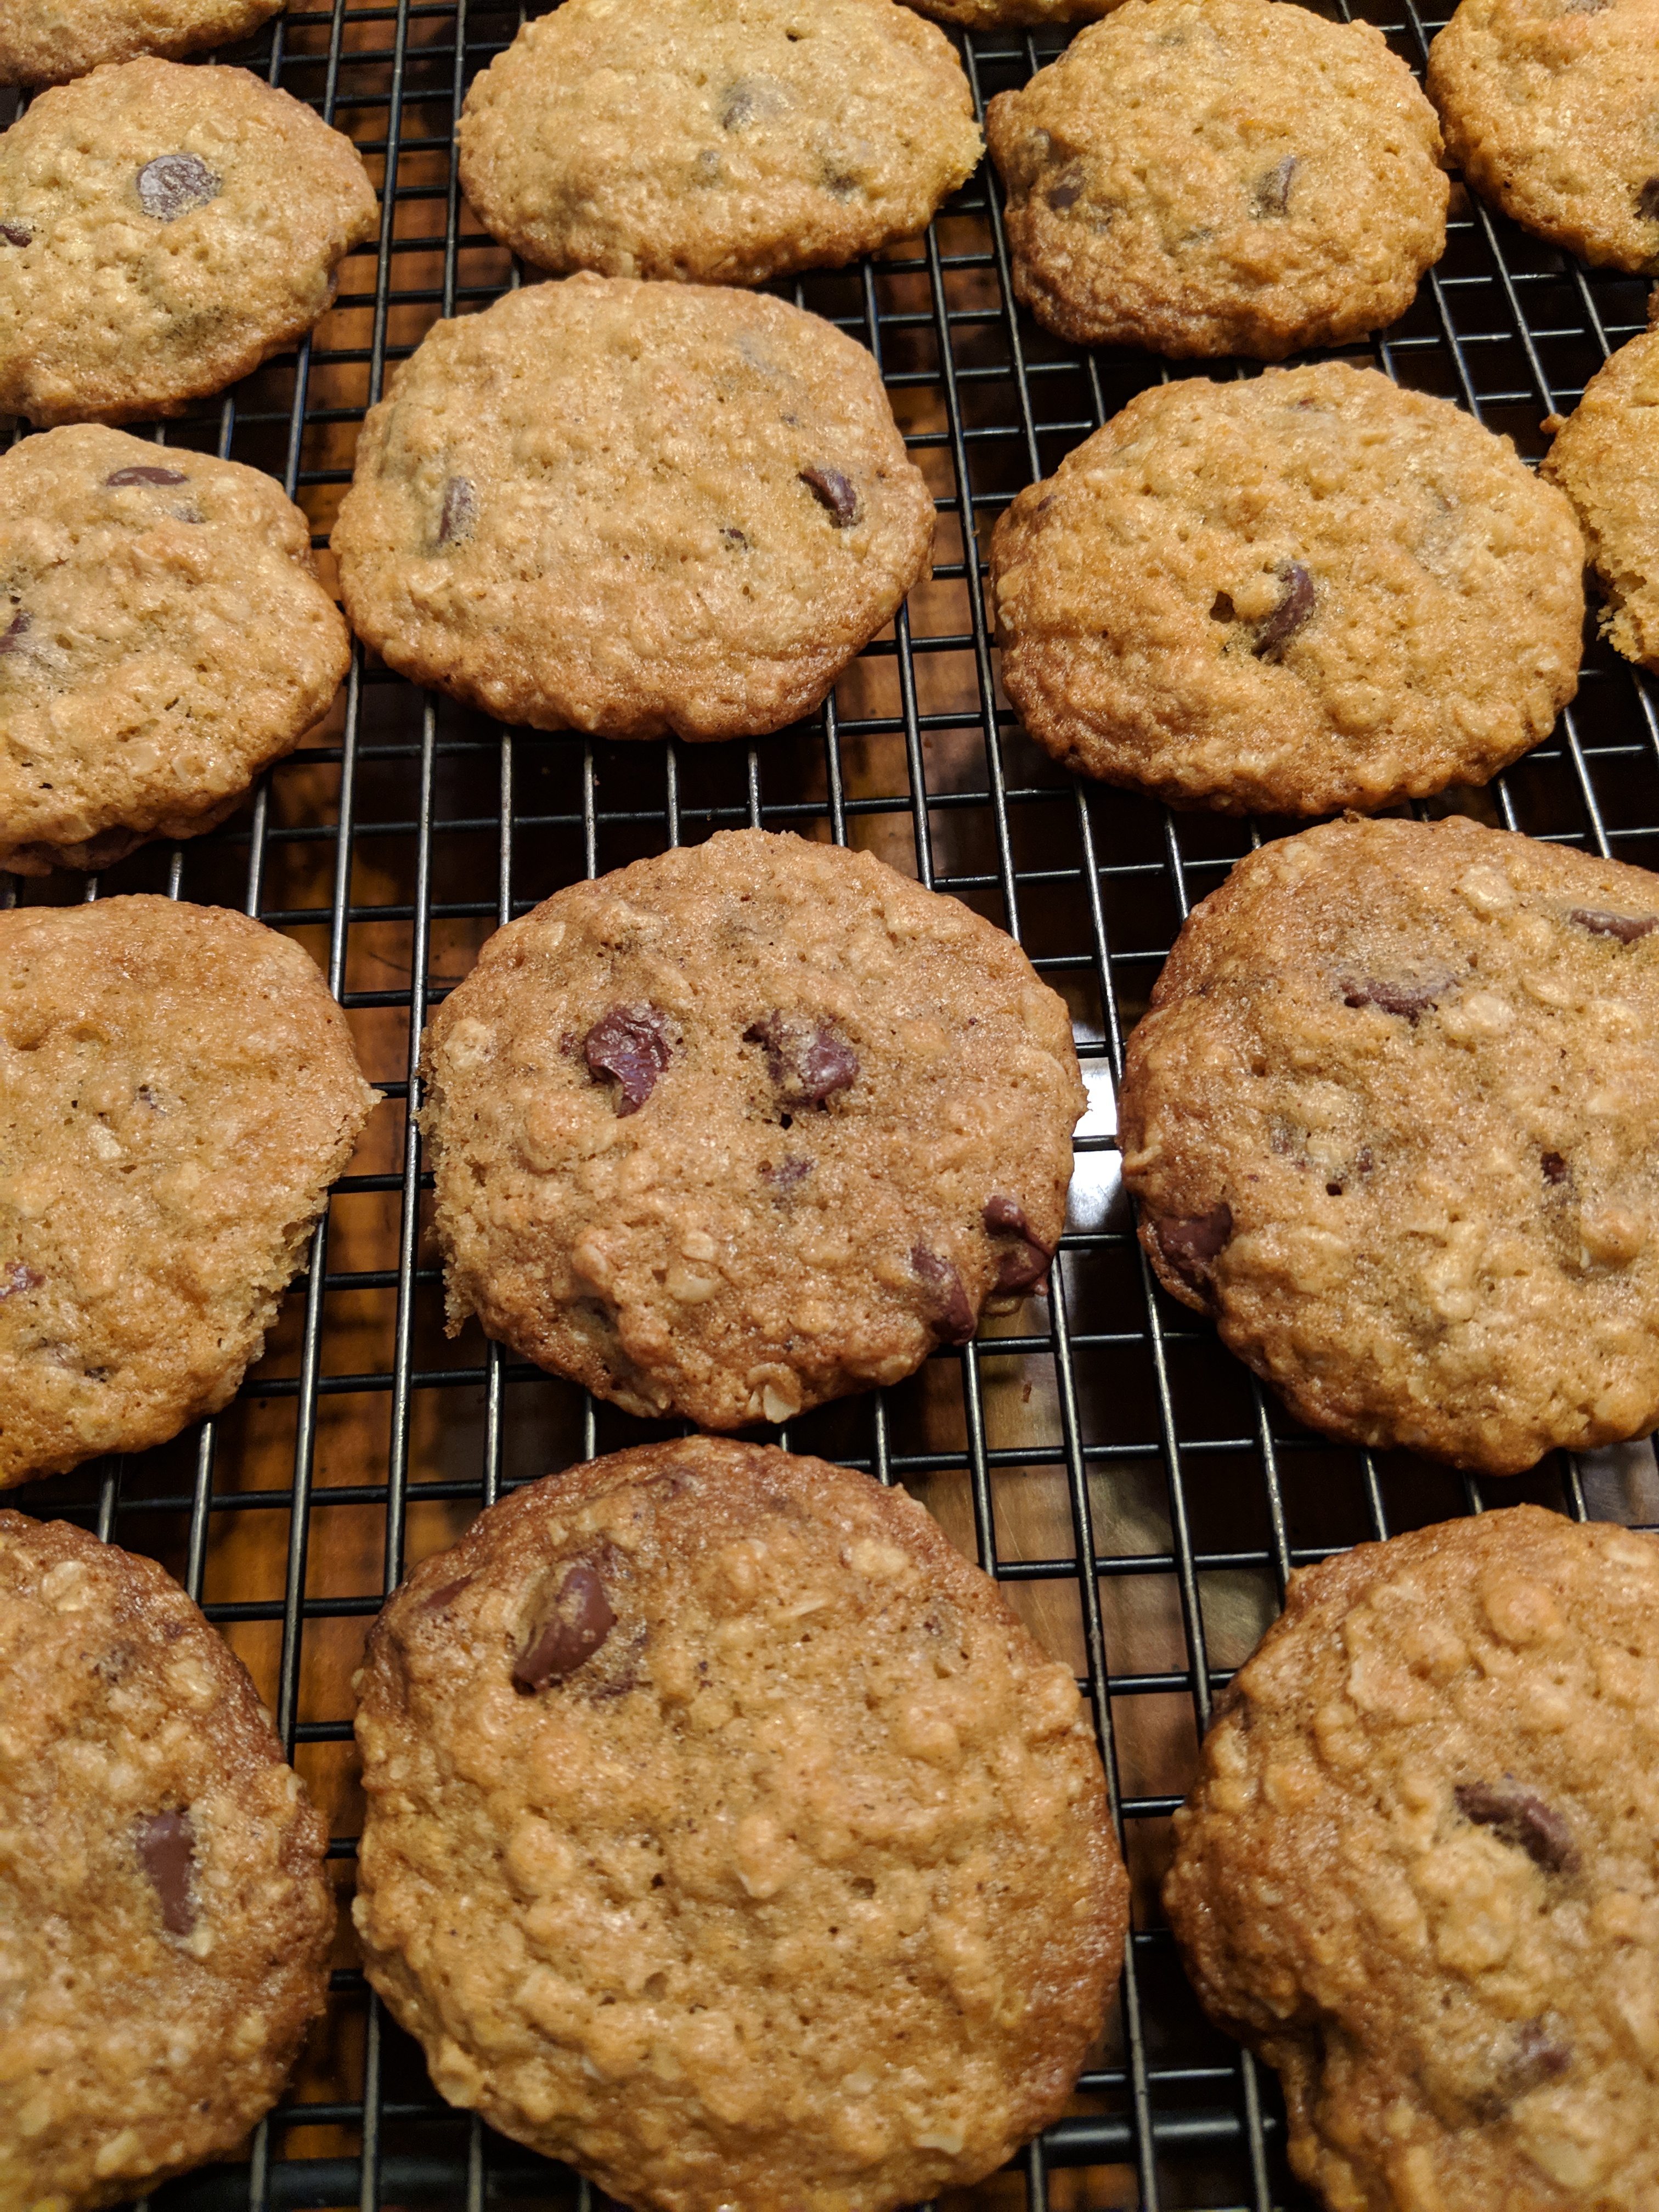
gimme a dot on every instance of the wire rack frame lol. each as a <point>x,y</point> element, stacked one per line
<point>406,823</point>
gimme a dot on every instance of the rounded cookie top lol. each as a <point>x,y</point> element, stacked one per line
<point>163,228</point>
<point>728,1837</point>
<point>162,637</point>
<point>166,1918</point>
<point>1605,459</point>
<point>1390,1120</point>
<point>1418,1872</point>
<point>1547,107</point>
<point>177,1092</point>
<point>720,140</point>
<point>1309,590</point>
<point>1219,177</point>
<point>50,46</point>
<point>995,15</point>
<point>746,1126</point>
<point>632,508</point>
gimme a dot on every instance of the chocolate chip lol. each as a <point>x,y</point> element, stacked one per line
<point>173,184</point>
<point>1271,193</point>
<point>458,512</point>
<point>834,494</point>
<point>787,1173</point>
<point>1539,2054</point>
<point>1066,191</point>
<point>631,1044</point>
<point>1409,1000</point>
<point>751,99</point>
<point>1554,1167</point>
<point>736,538</point>
<point>166,1850</point>
<point>16,234</point>
<point>1191,1245</point>
<point>578,1625</point>
<point>19,1276</point>
<point>1626,927</point>
<point>1293,610</point>
<point>143,475</point>
<point>447,1595</point>
<point>1026,1266</point>
<point>11,638</point>
<point>1520,1817</point>
<point>1647,201</point>
<point>808,1063</point>
<point>955,1318</point>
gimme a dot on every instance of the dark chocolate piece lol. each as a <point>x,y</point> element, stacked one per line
<point>1271,194</point>
<point>166,1850</point>
<point>1519,1816</point>
<point>1025,1267</point>
<point>1191,1245</point>
<point>1409,1000</point>
<point>16,234</point>
<point>807,1062</point>
<point>144,475</point>
<point>458,512</point>
<point>629,1043</point>
<point>19,1276</point>
<point>173,184</point>
<point>1626,927</point>
<point>1554,1167</point>
<point>578,1625</point>
<point>834,494</point>
<point>1288,615</point>
<point>956,1323</point>
<point>16,630</point>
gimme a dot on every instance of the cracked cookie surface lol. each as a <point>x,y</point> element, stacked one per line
<point>1308,591</point>
<point>632,508</point>
<point>1417,1874</point>
<point>162,230</point>
<point>177,1092</point>
<point>1390,1121</point>
<point>50,45</point>
<point>1605,459</point>
<point>1548,106</point>
<point>723,141</point>
<point>728,1837</point>
<point>1217,177</point>
<point>746,1126</point>
<point>163,636</point>
<point>164,1918</point>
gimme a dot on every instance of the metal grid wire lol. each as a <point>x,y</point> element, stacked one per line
<point>1138,1498</point>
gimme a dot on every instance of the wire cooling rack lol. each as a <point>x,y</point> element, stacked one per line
<point>1138,1497</point>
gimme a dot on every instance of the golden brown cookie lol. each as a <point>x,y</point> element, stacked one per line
<point>50,41</point>
<point>1605,459</point>
<point>1390,1121</point>
<point>164,1917</point>
<point>728,1837</point>
<point>1418,1873</point>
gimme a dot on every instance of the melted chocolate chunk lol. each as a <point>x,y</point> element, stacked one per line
<point>11,638</point>
<point>834,493</point>
<point>1271,192</point>
<point>1554,1167</point>
<point>1540,2054</point>
<point>1191,1246</point>
<point>458,512</point>
<point>1409,1000</point>
<point>580,1620</point>
<point>753,99</point>
<point>808,1063</point>
<point>19,1276</point>
<point>144,475</point>
<point>1290,614</point>
<point>1647,201</point>
<point>173,184</point>
<point>1518,1816</point>
<point>631,1044</point>
<point>1065,191</point>
<point>447,1595</point>
<point>1026,1266</point>
<point>16,234</point>
<point>1626,927</point>
<point>955,1321</point>
<point>167,1851</point>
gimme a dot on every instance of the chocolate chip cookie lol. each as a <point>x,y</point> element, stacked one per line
<point>1605,459</point>
<point>728,1837</point>
<point>1309,590</point>
<point>632,508</point>
<point>162,230</point>
<point>1390,1121</point>
<point>1220,177</point>
<point>720,140</point>
<point>164,1918</point>
<point>1548,106</point>
<point>995,15</point>
<point>1418,1873</point>
<point>162,637</point>
<point>177,1092</point>
<point>50,45</point>
<point>746,1126</point>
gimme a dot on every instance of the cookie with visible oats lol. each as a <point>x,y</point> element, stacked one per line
<point>632,508</point>
<point>1548,106</point>
<point>1220,177</point>
<point>177,1092</point>
<point>1605,459</point>
<point>724,141</point>
<point>162,230</point>
<point>729,1838</point>
<point>1416,1875</point>
<point>1306,592</point>
<point>164,1917</point>
<point>1390,1121</point>
<point>746,1126</point>
<point>163,636</point>
<point>52,44</point>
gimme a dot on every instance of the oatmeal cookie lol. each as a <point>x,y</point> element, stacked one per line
<point>728,1837</point>
<point>632,508</point>
<point>746,1126</point>
<point>996,15</point>
<point>162,230</point>
<point>1390,1120</point>
<point>51,44</point>
<point>1548,109</point>
<point>164,1918</point>
<point>1417,1874</point>
<point>1220,177</point>
<point>177,1092</point>
<point>163,636</point>
<point>724,141</point>
<point>1309,591</point>
<point>1605,459</point>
